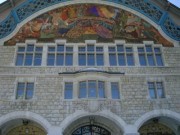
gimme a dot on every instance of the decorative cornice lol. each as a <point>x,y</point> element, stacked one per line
<point>145,7</point>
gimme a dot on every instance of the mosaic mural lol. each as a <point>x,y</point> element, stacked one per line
<point>77,23</point>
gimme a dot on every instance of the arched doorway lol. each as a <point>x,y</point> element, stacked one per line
<point>22,127</point>
<point>157,126</point>
<point>91,130</point>
<point>93,125</point>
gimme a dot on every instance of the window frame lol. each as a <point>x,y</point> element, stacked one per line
<point>25,89</point>
<point>25,53</point>
<point>65,90</point>
<point>97,89</point>
<point>113,50</point>
<point>156,90</point>
<point>119,93</point>
<point>64,53</point>
<point>153,53</point>
<point>87,52</point>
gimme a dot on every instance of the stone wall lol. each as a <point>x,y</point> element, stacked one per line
<point>48,99</point>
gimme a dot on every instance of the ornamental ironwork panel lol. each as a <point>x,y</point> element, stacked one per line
<point>91,130</point>
<point>170,27</point>
<point>7,26</point>
<point>145,8</point>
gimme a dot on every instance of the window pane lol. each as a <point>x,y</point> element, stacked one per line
<point>129,49</point>
<point>60,48</point>
<point>37,59</point>
<point>51,49</point>
<point>142,59</point>
<point>60,59</point>
<point>21,49</point>
<point>90,48</point>
<point>151,88</point>
<point>120,48</point>
<point>121,60</point>
<point>100,59</point>
<point>159,60</point>
<point>19,60</point>
<point>160,90</point>
<point>82,59</point>
<point>39,49</point>
<point>112,49</point>
<point>112,59</point>
<point>141,49</point>
<point>99,49</point>
<point>130,60</point>
<point>90,59</point>
<point>91,88</point>
<point>101,89</point>
<point>69,49</point>
<point>82,49</point>
<point>82,90</point>
<point>28,59</point>
<point>115,90</point>
<point>68,90</point>
<point>150,60</point>
<point>51,59</point>
<point>30,48</point>
<point>20,91</point>
<point>69,59</point>
<point>148,48</point>
<point>29,90</point>
<point>157,50</point>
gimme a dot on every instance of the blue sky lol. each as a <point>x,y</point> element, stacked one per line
<point>175,2</point>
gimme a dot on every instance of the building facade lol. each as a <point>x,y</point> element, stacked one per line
<point>79,67</point>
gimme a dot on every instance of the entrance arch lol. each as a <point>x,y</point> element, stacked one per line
<point>23,120</point>
<point>164,121</point>
<point>113,124</point>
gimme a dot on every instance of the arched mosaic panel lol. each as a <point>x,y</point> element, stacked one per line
<point>77,23</point>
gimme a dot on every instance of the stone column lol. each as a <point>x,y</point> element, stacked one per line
<point>131,130</point>
<point>55,131</point>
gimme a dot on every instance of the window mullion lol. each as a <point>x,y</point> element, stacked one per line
<point>156,92</point>
<point>154,56</point>
<point>25,89</point>
<point>87,89</point>
<point>97,89</point>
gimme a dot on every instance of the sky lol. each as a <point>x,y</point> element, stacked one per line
<point>175,2</point>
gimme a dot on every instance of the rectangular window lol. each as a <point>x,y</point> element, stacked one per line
<point>121,56</point>
<point>156,90</point>
<point>68,91</point>
<point>91,56</point>
<point>82,90</point>
<point>60,56</point>
<point>29,56</point>
<point>101,89</point>
<point>115,90</point>
<point>25,90</point>
<point>150,56</point>
<point>91,89</point>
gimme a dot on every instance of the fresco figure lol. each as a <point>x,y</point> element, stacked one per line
<point>77,23</point>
